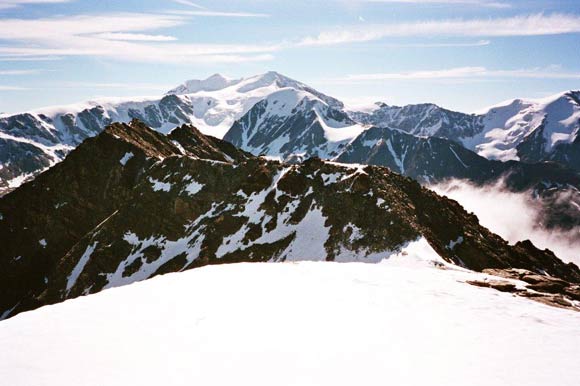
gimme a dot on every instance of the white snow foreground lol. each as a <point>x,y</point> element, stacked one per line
<point>401,322</point>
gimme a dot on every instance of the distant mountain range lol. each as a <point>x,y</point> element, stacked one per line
<point>30,142</point>
<point>526,130</point>
<point>132,203</point>
<point>273,115</point>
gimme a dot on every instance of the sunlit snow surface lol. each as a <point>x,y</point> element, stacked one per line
<point>399,322</point>
<point>508,123</point>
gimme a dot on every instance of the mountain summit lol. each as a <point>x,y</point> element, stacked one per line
<point>33,141</point>
<point>275,115</point>
<point>213,83</point>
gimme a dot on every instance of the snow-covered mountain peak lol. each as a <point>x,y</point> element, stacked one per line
<point>213,83</point>
<point>218,101</point>
<point>528,128</point>
<point>568,96</point>
<point>218,82</point>
<point>284,101</point>
<point>270,78</point>
<point>38,139</point>
<point>573,94</point>
<point>294,122</point>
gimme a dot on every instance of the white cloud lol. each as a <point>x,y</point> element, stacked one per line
<point>468,73</point>
<point>6,4</point>
<point>116,85</point>
<point>29,58</point>
<point>479,3</point>
<point>19,72</point>
<point>12,88</point>
<point>203,11</point>
<point>135,37</point>
<point>218,13</point>
<point>479,43</point>
<point>118,36</point>
<point>189,3</point>
<point>63,28</point>
<point>513,216</point>
<point>529,25</point>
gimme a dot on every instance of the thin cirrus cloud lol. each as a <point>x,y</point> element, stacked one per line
<point>478,3</point>
<point>113,85</point>
<point>479,43</point>
<point>135,37</point>
<point>203,11</point>
<point>12,88</point>
<point>467,73</point>
<point>189,4</point>
<point>6,4</point>
<point>29,58</point>
<point>123,36</point>
<point>19,72</point>
<point>528,25</point>
<point>218,13</point>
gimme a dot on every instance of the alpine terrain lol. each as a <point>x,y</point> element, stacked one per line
<point>173,212</point>
<point>30,142</point>
<point>274,115</point>
<point>132,203</point>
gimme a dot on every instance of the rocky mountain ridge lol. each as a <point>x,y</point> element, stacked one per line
<point>530,131</point>
<point>132,203</point>
<point>520,129</point>
<point>292,126</point>
<point>31,142</point>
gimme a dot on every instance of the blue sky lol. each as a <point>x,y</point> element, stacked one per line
<point>461,54</point>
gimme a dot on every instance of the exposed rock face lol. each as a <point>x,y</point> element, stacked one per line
<point>315,125</point>
<point>46,217</point>
<point>293,127</point>
<point>426,120</point>
<point>291,124</point>
<point>541,288</point>
<point>424,159</point>
<point>420,141</point>
<point>526,130</point>
<point>132,203</point>
<point>567,154</point>
<point>31,142</point>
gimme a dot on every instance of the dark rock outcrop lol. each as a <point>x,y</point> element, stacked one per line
<point>132,203</point>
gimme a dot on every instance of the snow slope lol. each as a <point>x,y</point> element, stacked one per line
<point>31,142</point>
<point>220,101</point>
<point>507,124</point>
<point>400,322</point>
<point>215,103</point>
<point>495,132</point>
<point>293,123</point>
<point>280,117</point>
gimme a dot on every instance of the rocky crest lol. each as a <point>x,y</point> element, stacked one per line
<point>132,203</point>
<point>541,288</point>
<point>425,120</point>
<point>30,142</point>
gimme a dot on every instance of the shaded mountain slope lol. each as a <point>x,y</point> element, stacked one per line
<point>131,203</point>
<point>30,142</point>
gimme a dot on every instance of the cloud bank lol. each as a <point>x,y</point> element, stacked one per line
<point>513,216</point>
